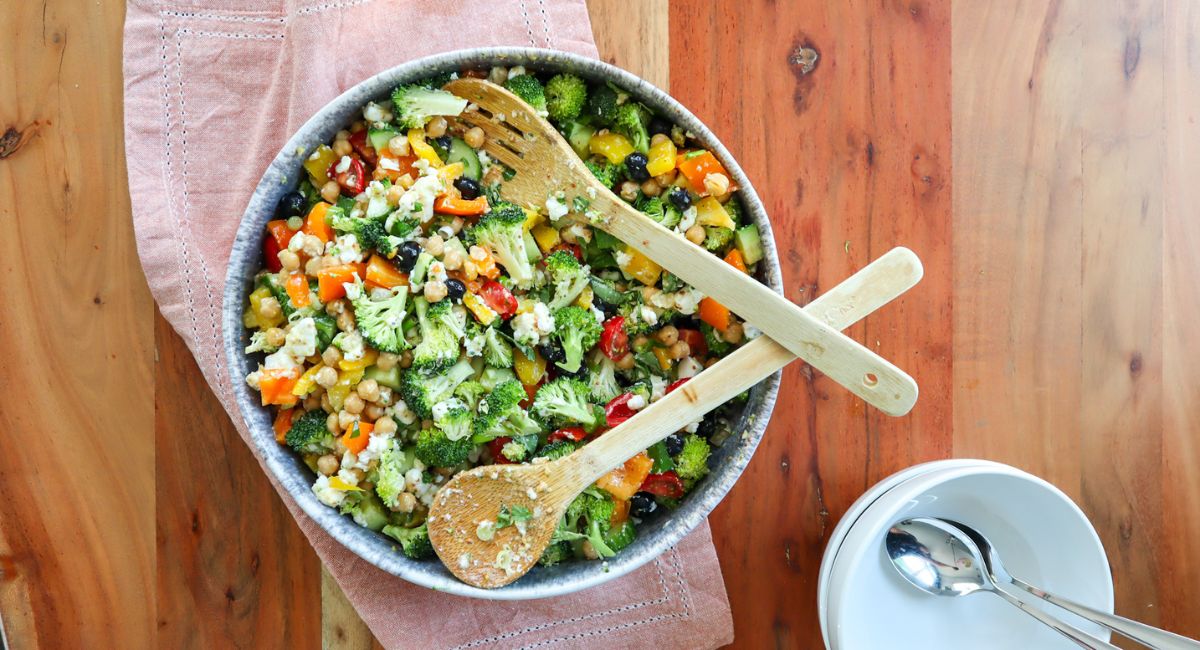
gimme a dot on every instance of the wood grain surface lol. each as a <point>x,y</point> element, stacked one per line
<point>1040,156</point>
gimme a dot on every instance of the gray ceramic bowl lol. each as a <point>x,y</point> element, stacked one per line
<point>657,534</point>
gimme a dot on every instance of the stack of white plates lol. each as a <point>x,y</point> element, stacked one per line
<point>1043,537</point>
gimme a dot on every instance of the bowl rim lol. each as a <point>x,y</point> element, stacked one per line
<point>282,464</point>
<point>914,487</point>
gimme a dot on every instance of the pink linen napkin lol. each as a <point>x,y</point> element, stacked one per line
<point>212,91</point>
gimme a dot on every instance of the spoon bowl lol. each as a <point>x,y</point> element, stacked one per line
<point>936,558</point>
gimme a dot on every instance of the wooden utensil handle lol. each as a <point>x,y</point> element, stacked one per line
<point>862,293</point>
<point>839,357</point>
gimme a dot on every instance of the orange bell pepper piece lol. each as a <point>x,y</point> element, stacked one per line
<point>402,165</point>
<point>283,423</point>
<point>734,258</point>
<point>331,278</point>
<point>623,482</point>
<point>695,168</point>
<point>620,513</point>
<point>380,272</point>
<point>280,232</point>
<point>276,385</point>
<point>316,225</point>
<point>714,313</point>
<point>357,436</point>
<point>460,207</point>
<point>297,290</point>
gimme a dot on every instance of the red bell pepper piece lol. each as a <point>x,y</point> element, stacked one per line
<point>271,255</point>
<point>574,434</point>
<point>353,180</point>
<point>573,249</point>
<point>496,446</point>
<point>695,341</point>
<point>499,299</point>
<point>617,410</point>
<point>666,484</point>
<point>614,340</point>
<point>675,384</point>
<point>363,147</point>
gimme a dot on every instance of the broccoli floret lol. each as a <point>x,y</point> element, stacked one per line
<point>497,353</point>
<point>566,401</point>
<point>381,321</point>
<point>470,392</point>
<point>577,330</point>
<point>439,80</point>
<point>501,415</point>
<point>456,421</point>
<point>593,509</point>
<point>733,207</point>
<point>555,553</point>
<point>309,435</point>
<point>653,207</point>
<point>528,88</point>
<point>393,463</point>
<point>630,121</point>
<point>717,238</point>
<point>635,317</point>
<point>692,462</point>
<point>602,378</point>
<point>556,450</point>
<point>501,231</point>
<point>717,346</point>
<point>366,509</point>
<point>258,343</point>
<point>602,103</point>
<point>435,448</point>
<point>414,542</point>
<point>604,171</point>
<point>441,330</point>
<point>565,95</point>
<point>370,233</point>
<point>415,104</point>
<point>421,392</point>
<point>569,276</point>
<point>514,451</point>
<point>620,536</point>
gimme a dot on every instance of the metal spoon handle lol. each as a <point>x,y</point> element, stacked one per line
<point>1083,639</point>
<point>1151,637</point>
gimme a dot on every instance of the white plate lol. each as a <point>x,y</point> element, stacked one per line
<point>870,606</point>
<point>855,511</point>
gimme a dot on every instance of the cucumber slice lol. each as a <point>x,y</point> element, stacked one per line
<point>493,377</point>
<point>379,137</point>
<point>326,329</point>
<point>532,252</point>
<point>748,242</point>
<point>579,135</point>
<point>462,152</point>
<point>389,378</point>
<point>420,268</point>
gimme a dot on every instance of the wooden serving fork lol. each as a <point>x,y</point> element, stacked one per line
<point>476,496</point>
<point>546,167</point>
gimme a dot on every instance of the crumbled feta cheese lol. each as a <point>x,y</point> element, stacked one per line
<point>687,300</point>
<point>377,203</point>
<point>436,272</point>
<point>253,378</point>
<point>328,495</point>
<point>658,388</point>
<point>351,344</point>
<point>663,300</point>
<point>622,258</point>
<point>474,344</point>
<point>751,332</point>
<point>555,208</point>
<point>529,327</point>
<point>689,367</point>
<point>545,321</point>
<point>418,199</point>
<point>636,403</point>
<point>296,243</point>
<point>345,248</point>
<point>300,342</point>
<point>688,220</point>
<point>343,165</point>
<point>591,192</point>
<point>693,427</point>
<point>373,112</point>
<point>599,315</point>
<point>413,479</point>
<point>647,315</point>
<point>464,560</point>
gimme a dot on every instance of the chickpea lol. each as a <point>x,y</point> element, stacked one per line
<point>474,137</point>
<point>345,321</point>
<point>326,377</point>
<point>339,448</point>
<point>312,402</point>
<point>679,350</point>
<point>393,194</point>
<point>354,404</point>
<point>327,465</point>
<point>456,225</point>
<point>373,412</point>
<point>385,425</point>
<point>406,359</point>
<point>695,234</point>
<point>406,502</point>
<point>567,234</point>
<point>710,361</point>
<point>436,127</point>
<point>314,266</point>
<point>435,245</point>
<point>359,475</point>
<point>328,407</point>
<point>629,190</point>
<point>269,307</point>
<point>493,175</point>
<point>667,335</point>
<point>516,71</point>
<point>289,260</point>
<point>357,126</point>
<point>716,184</point>
<point>331,356</point>
<point>658,138</point>
<point>624,363</point>
<point>406,181</point>
<point>640,341</point>
<point>335,307</point>
<point>330,191</point>
<point>368,389</point>
<point>589,551</point>
<point>345,419</point>
<point>651,187</point>
<point>386,360</point>
<point>275,337</point>
<point>398,145</point>
<point>331,422</point>
<point>342,148</point>
<point>342,135</point>
<point>498,75</point>
<point>733,333</point>
<point>435,290</point>
<point>452,260</point>
<point>665,179</point>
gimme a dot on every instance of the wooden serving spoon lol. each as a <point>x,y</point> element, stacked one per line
<point>546,489</point>
<point>546,167</point>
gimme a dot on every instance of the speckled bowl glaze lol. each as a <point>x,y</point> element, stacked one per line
<point>655,535</point>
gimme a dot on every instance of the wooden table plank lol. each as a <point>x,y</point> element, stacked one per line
<point>76,341</point>
<point>851,159</point>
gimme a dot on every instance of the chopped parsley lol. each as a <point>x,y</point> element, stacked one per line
<point>511,516</point>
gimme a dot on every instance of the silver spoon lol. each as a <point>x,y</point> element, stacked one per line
<point>939,559</point>
<point>1148,636</point>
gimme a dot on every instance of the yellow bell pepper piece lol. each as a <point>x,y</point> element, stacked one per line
<point>317,165</point>
<point>307,381</point>
<point>256,299</point>
<point>337,483</point>
<point>641,267</point>
<point>249,320</point>
<point>529,371</point>
<point>612,146</point>
<point>662,158</point>
<point>416,141</point>
<point>450,172</point>
<point>525,305</point>
<point>546,237</point>
<point>533,218</point>
<point>710,212</point>
<point>368,359</point>
<point>664,358</point>
<point>484,314</point>
<point>585,298</point>
<point>341,390</point>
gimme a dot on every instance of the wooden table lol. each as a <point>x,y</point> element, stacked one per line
<point>1041,157</point>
